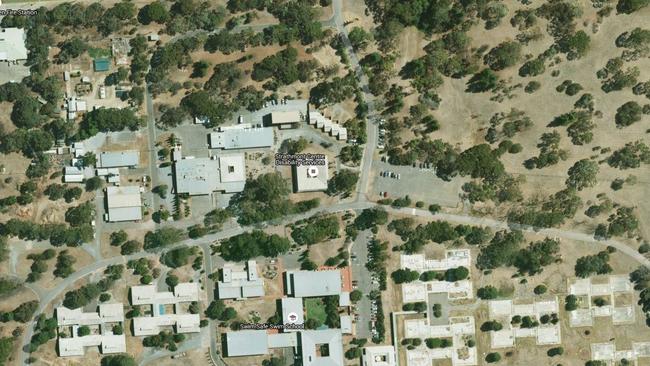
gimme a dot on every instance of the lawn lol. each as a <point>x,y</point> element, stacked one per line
<point>315,309</point>
<point>99,52</point>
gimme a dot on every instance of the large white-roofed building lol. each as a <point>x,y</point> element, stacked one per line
<point>247,343</point>
<point>12,45</point>
<point>124,203</point>
<point>203,176</point>
<point>313,283</point>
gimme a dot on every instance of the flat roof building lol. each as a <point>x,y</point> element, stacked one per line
<point>72,174</point>
<point>242,138</point>
<point>310,178</point>
<point>292,312</point>
<point>379,356</point>
<point>321,347</point>
<point>124,203</point>
<point>101,330</point>
<point>247,343</point>
<point>316,347</point>
<point>238,283</point>
<point>202,176</point>
<point>161,315</point>
<point>119,159</point>
<point>283,119</point>
<point>313,283</point>
<point>12,45</point>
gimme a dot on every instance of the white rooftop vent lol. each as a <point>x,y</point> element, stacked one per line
<point>312,172</point>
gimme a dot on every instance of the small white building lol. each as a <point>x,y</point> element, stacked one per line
<point>379,356</point>
<point>310,178</point>
<point>72,174</point>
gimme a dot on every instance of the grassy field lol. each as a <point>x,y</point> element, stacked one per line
<point>315,309</point>
<point>99,52</point>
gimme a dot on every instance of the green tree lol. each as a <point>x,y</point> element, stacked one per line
<point>630,6</point>
<point>487,293</point>
<point>94,183</point>
<point>118,360</point>
<point>25,113</point>
<point>493,357</point>
<point>482,81</point>
<point>153,12</point>
<point>215,309</point>
<point>118,237</point>
<point>404,276</point>
<point>627,114</point>
<point>504,55</point>
<point>582,174</point>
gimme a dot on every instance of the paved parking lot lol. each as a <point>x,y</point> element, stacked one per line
<point>194,139</point>
<point>12,73</point>
<point>364,282</point>
<point>419,184</point>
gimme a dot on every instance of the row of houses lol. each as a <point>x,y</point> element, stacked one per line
<point>320,122</point>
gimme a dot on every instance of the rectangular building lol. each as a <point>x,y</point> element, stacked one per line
<point>202,176</point>
<point>119,159</point>
<point>292,312</point>
<point>242,138</point>
<point>310,178</point>
<point>283,119</point>
<point>72,174</point>
<point>313,283</point>
<point>247,343</point>
<point>12,45</point>
<point>124,203</point>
